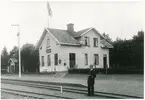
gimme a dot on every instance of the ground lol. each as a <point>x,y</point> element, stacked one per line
<point>121,84</point>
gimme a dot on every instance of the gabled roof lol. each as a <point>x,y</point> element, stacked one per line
<point>81,32</point>
<point>65,38</point>
<point>13,60</point>
<point>61,36</point>
<point>84,31</point>
<point>41,39</point>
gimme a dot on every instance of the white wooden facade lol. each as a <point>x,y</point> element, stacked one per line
<point>72,55</point>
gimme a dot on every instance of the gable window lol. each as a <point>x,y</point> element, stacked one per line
<point>48,60</point>
<point>48,42</point>
<point>56,59</point>
<point>42,60</point>
<point>86,59</point>
<point>95,42</point>
<point>96,59</point>
<point>87,40</point>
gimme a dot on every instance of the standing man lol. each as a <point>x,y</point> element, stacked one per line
<point>91,81</point>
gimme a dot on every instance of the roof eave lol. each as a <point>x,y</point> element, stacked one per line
<point>105,47</point>
<point>40,40</point>
<point>70,44</point>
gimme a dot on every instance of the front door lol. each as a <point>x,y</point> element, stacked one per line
<point>105,61</point>
<point>72,60</point>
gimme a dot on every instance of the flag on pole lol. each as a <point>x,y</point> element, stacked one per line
<point>49,9</point>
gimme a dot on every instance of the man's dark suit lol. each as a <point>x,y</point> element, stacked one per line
<point>91,82</point>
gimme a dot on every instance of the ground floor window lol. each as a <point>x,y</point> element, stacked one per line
<point>96,59</point>
<point>56,59</point>
<point>86,59</point>
<point>48,60</point>
<point>42,60</point>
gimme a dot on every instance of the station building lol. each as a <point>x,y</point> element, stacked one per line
<point>60,50</point>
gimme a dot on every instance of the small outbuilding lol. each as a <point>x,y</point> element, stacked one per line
<point>13,64</point>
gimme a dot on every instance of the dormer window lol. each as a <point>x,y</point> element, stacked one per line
<point>48,42</point>
<point>95,42</point>
<point>87,41</point>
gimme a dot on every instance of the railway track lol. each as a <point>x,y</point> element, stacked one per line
<point>33,95</point>
<point>79,90</point>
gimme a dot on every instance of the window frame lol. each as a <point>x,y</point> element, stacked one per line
<point>42,60</point>
<point>56,59</point>
<point>86,59</point>
<point>47,42</point>
<point>95,41</point>
<point>48,60</point>
<point>96,59</point>
<point>87,41</point>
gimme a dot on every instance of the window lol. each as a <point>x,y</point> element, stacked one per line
<point>95,42</point>
<point>42,60</point>
<point>48,42</point>
<point>48,60</point>
<point>86,41</point>
<point>56,59</point>
<point>86,59</point>
<point>96,59</point>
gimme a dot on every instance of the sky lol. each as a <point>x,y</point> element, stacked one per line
<point>121,19</point>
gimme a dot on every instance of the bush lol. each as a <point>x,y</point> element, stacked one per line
<point>125,71</point>
<point>3,71</point>
<point>109,71</point>
<point>83,71</point>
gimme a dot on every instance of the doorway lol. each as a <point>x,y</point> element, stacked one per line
<point>105,61</point>
<point>72,60</point>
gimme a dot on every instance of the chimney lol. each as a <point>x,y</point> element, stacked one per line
<point>70,28</point>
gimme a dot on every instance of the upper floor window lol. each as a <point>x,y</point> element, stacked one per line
<point>95,42</point>
<point>42,60</point>
<point>48,60</point>
<point>87,41</point>
<point>47,42</point>
<point>56,59</point>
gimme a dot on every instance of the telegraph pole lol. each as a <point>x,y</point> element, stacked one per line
<point>18,34</point>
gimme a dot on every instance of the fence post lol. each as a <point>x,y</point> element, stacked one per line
<point>61,89</point>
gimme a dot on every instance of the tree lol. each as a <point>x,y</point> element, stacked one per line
<point>107,37</point>
<point>138,49</point>
<point>4,52</point>
<point>128,53</point>
<point>30,58</point>
<point>4,58</point>
<point>14,51</point>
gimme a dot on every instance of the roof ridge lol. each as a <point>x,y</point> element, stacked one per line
<point>57,29</point>
<point>85,29</point>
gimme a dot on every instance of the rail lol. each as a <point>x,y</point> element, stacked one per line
<point>81,90</point>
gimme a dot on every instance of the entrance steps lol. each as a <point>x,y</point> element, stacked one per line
<point>60,74</point>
